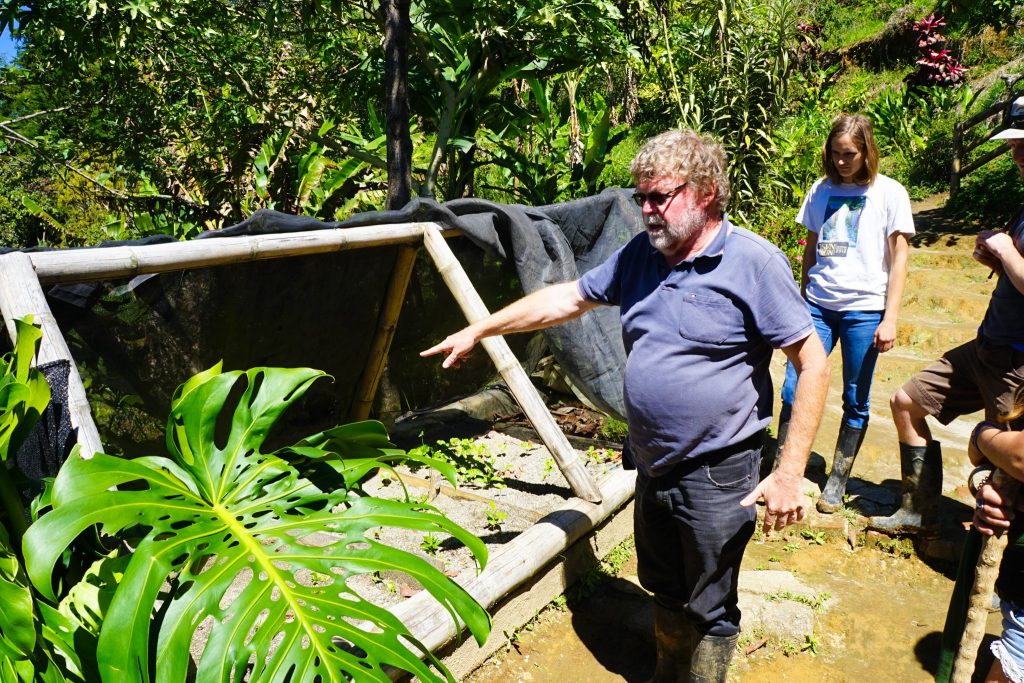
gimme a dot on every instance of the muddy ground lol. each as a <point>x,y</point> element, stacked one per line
<point>883,625</point>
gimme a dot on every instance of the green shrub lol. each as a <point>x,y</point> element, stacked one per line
<point>991,194</point>
<point>778,225</point>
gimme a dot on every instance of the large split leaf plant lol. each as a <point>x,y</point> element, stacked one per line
<point>232,564</point>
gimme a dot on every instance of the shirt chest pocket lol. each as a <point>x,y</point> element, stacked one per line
<point>710,318</point>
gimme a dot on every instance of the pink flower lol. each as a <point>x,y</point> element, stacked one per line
<point>799,258</point>
<point>802,242</point>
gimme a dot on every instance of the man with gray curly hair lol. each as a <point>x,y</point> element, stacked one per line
<point>703,304</point>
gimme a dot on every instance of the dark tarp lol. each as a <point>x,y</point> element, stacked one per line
<point>135,341</point>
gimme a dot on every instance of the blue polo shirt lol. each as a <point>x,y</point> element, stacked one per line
<point>699,338</point>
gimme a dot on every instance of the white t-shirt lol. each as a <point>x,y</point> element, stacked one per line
<point>853,223</point>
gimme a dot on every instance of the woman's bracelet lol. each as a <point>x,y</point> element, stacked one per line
<point>978,477</point>
<point>985,424</point>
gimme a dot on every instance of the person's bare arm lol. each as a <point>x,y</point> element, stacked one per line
<point>784,501</point>
<point>899,252</point>
<point>1004,449</point>
<point>544,308</point>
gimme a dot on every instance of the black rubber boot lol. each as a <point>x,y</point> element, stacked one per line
<point>711,659</point>
<point>771,463</point>
<point>847,445</point>
<point>674,639</point>
<point>922,489</point>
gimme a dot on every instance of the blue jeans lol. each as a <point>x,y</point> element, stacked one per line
<point>691,532</point>
<point>1009,649</point>
<point>855,332</point>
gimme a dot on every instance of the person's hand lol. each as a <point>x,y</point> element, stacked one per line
<point>993,511</point>
<point>988,247</point>
<point>783,500</point>
<point>457,346</point>
<point>885,335</point>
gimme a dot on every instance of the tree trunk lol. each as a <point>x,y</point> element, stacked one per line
<point>396,71</point>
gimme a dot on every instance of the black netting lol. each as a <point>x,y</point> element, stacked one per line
<point>135,341</point>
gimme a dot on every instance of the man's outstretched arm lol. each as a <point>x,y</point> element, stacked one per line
<point>544,308</point>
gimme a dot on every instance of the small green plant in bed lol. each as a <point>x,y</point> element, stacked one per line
<point>495,517</point>
<point>473,461</point>
<point>431,544</point>
<point>599,456</point>
<point>613,430</point>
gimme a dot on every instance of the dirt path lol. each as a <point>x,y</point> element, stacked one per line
<point>886,601</point>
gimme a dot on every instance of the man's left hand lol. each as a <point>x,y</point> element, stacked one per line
<point>783,500</point>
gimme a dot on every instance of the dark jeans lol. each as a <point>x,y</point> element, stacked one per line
<point>691,532</point>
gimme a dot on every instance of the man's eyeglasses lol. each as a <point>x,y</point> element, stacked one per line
<point>657,199</point>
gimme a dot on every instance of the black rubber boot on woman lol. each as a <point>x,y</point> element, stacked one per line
<point>847,446</point>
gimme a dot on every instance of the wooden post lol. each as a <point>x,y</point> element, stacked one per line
<point>386,324</point>
<point>21,295</point>
<point>954,170</point>
<point>980,600</point>
<point>583,485</point>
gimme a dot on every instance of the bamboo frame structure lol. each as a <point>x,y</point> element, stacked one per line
<point>23,274</point>
<point>386,326</point>
<point>511,371</point>
<point>523,557</point>
<point>21,295</point>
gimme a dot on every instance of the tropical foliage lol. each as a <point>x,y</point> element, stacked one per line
<point>30,635</point>
<point>173,117</point>
<point>240,557</point>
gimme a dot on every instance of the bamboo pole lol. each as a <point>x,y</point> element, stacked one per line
<point>512,372</point>
<point>21,295</point>
<point>82,265</point>
<point>386,324</point>
<point>980,600</point>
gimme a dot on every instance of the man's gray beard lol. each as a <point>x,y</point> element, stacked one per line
<point>668,239</point>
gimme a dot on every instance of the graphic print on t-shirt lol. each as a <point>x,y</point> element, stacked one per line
<point>842,222</point>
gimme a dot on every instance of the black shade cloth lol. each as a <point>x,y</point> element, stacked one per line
<point>135,341</point>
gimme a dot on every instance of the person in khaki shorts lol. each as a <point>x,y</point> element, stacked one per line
<point>983,373</point>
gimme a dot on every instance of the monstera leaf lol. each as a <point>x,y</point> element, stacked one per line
<point>258,548</point>
<point>17,618</point>
<point>24,395</point>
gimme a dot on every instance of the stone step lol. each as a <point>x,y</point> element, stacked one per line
<point>956,258</point>
<point>948,303</point>
<point>929,338</point>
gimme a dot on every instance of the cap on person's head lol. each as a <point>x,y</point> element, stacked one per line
<point>1015,122</point>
